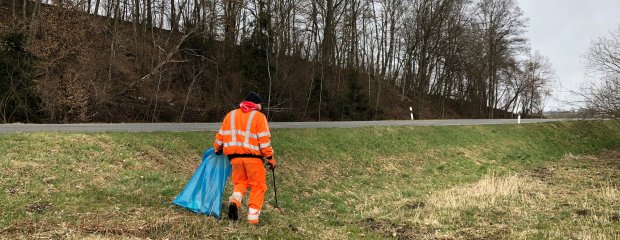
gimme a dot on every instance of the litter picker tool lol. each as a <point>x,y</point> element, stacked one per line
<point>275,189</point>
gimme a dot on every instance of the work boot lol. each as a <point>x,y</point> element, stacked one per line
<point>232,211</point>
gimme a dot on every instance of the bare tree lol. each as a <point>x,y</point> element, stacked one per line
<point>502,24</point>
<point>232,9</point>
<point>536,76</point>
<point>603,56</point>
<point>603,62</point>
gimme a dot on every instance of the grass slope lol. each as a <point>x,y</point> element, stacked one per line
<point>551,180</point>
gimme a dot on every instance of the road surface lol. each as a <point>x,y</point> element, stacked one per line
<point>184,127</point>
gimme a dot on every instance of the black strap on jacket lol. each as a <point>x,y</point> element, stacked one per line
<point>233,156</point>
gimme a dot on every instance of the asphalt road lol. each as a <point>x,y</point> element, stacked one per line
<point>183,127</point>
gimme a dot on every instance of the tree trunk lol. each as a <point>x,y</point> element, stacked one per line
<point>173,25</point>
<point>24,7</point>
<point>149,13</point>
<point>96,10</point>
<point>14,9</point>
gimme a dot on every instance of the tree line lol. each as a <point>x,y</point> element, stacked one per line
<point>310,59</point>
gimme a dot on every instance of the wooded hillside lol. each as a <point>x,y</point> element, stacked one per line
<point>194,60</point>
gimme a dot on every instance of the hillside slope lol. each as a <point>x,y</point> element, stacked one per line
<point>93,69</point>
<point>551,180</point>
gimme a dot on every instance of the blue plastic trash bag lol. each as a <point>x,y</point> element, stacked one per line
<point>203,193</point>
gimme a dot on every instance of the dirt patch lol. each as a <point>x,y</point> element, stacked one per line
<point>124,230</point>
<point>38,207</point>
<point>583,212</point>
<point>609,158</point>
<point>542,173</point>
<point>493,232</point>
<point>25,227</point>
<point>296,229</point>
<point>11,191</point>
<point>415,205</point>
<point>91,228</point>
<point>606,158</point>
<point>115,230</point>
<point>388,229</point>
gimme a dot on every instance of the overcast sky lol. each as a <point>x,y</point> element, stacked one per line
<point>562,30</point>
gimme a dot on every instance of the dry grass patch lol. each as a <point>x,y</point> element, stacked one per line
<point>151,158</point>
<point>487,192</point>
<point>575,197</point>
<point>609,193</point>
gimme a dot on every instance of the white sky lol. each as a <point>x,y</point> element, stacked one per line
<point>562,30</point>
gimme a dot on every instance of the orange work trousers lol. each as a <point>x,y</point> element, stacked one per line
<point>249,172</point>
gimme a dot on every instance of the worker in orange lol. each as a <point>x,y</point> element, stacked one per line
<point>244,137</point>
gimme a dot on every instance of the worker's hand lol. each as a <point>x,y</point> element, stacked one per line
<point>271,163</point>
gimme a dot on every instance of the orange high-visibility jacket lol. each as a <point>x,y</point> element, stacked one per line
<point>244,133</point>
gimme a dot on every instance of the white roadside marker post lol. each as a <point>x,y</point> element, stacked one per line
<point>516,109</point>
<point>411,112</point>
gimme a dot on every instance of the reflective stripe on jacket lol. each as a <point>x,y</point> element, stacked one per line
<point>244,133</point>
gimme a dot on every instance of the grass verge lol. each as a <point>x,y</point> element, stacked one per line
<point>551,180</point>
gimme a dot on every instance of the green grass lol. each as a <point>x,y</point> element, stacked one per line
<point>553,180</point>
